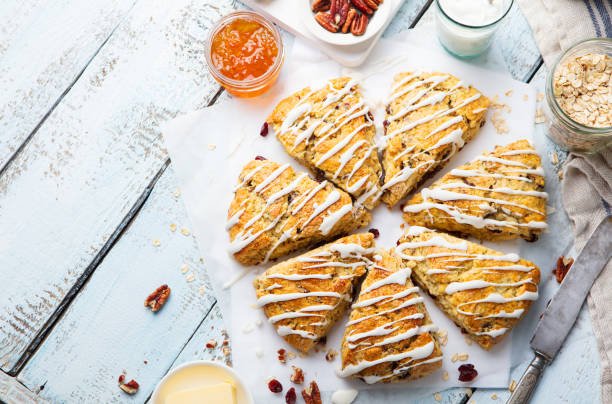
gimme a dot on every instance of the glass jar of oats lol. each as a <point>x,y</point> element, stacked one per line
<point>578,104</point>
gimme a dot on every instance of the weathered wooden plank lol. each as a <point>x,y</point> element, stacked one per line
<point>64,198</point>
<point>44,46</point>
<point>107,330</point>
<point>11,391</point>
<point>513,47</point>
<point>407,16</point>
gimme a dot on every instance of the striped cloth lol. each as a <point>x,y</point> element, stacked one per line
<point>558,24</point>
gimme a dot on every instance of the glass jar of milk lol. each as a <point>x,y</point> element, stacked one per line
<point>466,27</point>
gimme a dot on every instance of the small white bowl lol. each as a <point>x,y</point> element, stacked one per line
<point>375,24</point>
<point>199,374</point>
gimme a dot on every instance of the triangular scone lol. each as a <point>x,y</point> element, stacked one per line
<point>498,196</point>
<point>430,116</point>
<point>485,292</point>
<point>276,211</point>
<point>389,336</point>
<point>304,296</point>
<point>330,130</point>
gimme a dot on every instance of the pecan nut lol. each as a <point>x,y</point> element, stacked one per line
<point>326,21</point>
<point>156,300</point>
<point>339,11</point>
<point>359,25</point>
<point>297,376</point>
<point>373,4</point>
<point>362,6</point>
<point>311,394</point>
<point>349,20</point>
<point>320,5</point>
<point>562,268</point>
<point>130,387</point>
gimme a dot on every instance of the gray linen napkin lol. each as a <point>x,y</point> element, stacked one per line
<point>587,196</point>
<point>558,24</point>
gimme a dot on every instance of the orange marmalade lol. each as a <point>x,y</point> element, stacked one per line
<point>245,54</point>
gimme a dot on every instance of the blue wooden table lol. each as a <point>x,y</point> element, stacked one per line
<point>91,220</point>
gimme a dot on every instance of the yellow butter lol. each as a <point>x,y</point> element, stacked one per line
<point>221,393</point>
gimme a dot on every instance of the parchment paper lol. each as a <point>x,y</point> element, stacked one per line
<point>208,150</point>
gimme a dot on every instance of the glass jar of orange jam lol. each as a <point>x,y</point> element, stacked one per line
<point>244,53</point>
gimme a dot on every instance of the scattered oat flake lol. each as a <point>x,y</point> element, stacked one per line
<point>540,117</point>
<point>463,356</point>
<point>156,243</point>
<point>509,93</point>
<point>540,96</point>
<point>512,386</point>
<point>554,158</point>
<point>455,357</point>
<point>184,268</point>
<point>173,227</point>
<point>190,277</point>
<point>185,231</point>
<point>177,193</point>
<point>525,97</point>
<point>494,396</point>
<point>468,340</point>
<point>445,376</point>
<point>212,146</point>
<point>202,290</point>
<point>437,396</point>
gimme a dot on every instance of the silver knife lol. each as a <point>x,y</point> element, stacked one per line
<point>562,311</point>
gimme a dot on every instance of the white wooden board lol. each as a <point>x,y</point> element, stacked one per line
<point>44,46</point>
<point>67,193</point>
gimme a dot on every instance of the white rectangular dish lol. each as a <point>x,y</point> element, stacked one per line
<point>283,13</point>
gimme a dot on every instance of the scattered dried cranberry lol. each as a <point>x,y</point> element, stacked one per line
<point>385,123</point>
<point>290,397</point>
<point>375,232</point>
<point>121,379</point>
<point>260,158</point>
<point>319,175</point>
<point>467,373</point>
<point>275,386</point>
<point>282,355</point>
<point>264,130</point>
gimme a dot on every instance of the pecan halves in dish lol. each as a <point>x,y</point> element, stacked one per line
<point>362,6</point>
<point>156,300</point>
<point>326,21</point>
<point>359,25</point>
<point>320,5</point>
<point>349,20</point>
<point>339,11</point>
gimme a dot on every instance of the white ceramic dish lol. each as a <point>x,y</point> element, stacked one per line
<point>377,21</point>
<point>199,374</point>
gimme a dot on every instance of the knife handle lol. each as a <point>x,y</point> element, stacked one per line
<point>526,386</point>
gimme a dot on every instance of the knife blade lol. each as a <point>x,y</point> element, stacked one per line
<point>562,311</point>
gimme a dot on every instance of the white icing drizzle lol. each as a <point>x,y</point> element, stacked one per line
<point>475,173</point>
<point>250,175</point>
<point>502,190</point>
<point>330,220</point>
<point>283,297</point>
<point>283,331</point>
<point>399,370</point>
<point>293,115</point>
<point>504,314</point>
<point>498,299</point>
<point>232,221</point>
<point>331,198</point>
<point>493,333</point>
<point>434,81</point>
<point>455,287</point>
<point>518,152</point>
<point>299,277</point>
<point>270,178</point>
<point>274,286</point>
<point>404,174</point>
<point>341,144</point>
<point>404,304</point>
<point>385,298</point>
<point>445,125</point>
<point>498,160</point>
<point>399,277</point>
<point>441,194</point>
<point>434,241</point>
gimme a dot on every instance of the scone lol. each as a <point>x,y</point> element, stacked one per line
<point>276,211</point>
<point>485,292</point>
<point>498,196</point>
<point>389,336</point>
<point>430,116</point>
<point>330,130</point>
<point>304,296</point>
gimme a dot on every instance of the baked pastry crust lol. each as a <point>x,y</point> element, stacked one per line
<point>485,292</point>
<point>389,337</point>
<point>304,296</point>
<point>330,130</point>
<point>498,196</point>
<point>430,116</point>
<point>276,211</point>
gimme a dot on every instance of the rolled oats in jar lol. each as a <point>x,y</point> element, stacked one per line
<point>579,97</point>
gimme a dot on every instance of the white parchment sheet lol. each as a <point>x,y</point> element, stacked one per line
<point>208,150</point>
